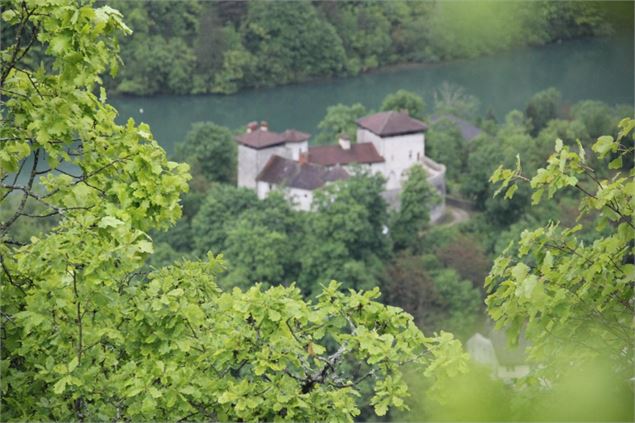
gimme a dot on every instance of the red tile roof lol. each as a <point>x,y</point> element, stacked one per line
<point>329,155</point>
<point>391,124</point>
<point>291,173</point>
<point>292,135</point>
<point>262,139</point>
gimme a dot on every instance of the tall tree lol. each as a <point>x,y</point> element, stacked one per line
<point>345,234</point>
<point>211,151</point>
<point>445,144</point>
<point>339,119</point>
<point>543,107</point>
<point>290,42</point>
<point>404,100</point>
<point>416,200</point>
<point>222,204</point>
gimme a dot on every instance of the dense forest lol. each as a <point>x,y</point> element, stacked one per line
<point>140,287</point>
<point>191,47</point>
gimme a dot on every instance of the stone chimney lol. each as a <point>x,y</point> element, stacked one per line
<point>345,142</point>
<point>264,126</point>
<point>252,126</point>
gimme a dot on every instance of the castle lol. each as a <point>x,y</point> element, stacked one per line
<point>388,143</point>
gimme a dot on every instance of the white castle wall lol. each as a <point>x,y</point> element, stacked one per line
<point>400,153</point>
<point>251,162</point>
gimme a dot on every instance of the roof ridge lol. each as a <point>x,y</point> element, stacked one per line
<point>387,118</point>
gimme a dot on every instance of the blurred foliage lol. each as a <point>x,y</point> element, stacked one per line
<point>339,120</point>
<point>407,101</point>
<point>451,99</point>
<point>196,46</point>
<point>543,107</point>
<point>416,200</point>
<point>211,152</point>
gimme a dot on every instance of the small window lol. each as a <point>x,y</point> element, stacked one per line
<point>418,156</point>
<point>410,154</point>
<point>270,186</point>
<point>306,195</point>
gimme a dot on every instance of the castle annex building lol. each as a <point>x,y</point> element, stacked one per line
<point>388,143</point>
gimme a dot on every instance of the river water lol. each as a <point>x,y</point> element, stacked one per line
<point>599,69</point>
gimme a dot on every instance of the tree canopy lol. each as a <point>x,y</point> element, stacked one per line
<point>196,46</point>
<point>572,295</point>
<point>211,151</point>
<point>400,100</point>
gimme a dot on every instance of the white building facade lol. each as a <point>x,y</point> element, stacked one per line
<point>388,143</point>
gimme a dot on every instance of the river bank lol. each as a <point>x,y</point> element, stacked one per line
<point>600,69</point>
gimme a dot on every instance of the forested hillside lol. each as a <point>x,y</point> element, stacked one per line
<point>223,46</point>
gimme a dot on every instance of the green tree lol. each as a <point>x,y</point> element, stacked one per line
<point>290,43</point>
<point>404,100</point>
<point>573,298</point>
<point>596,117</point>
<point>408,284</point>
<point>255,253</point>
<point>263,244</point>
<point>238,65</point>
<point>64,291</point>
<point>86,336</point>
<point>543,107</point>
<point>417,198</point>
<point>438,298</point>
<point>211,152</point>
<point>339,119</point>
<point>445,144</point>
<point>466,255</point>
<point>512,138</point>
<point>159,58</point>
<point>344,234</point>
<point>223,204</point>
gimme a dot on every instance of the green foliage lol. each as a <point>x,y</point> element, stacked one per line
<point>417,198</point>
<point>197,46</point>
<point>159,57</point>
<point>438,298</point>
<point>404,100</point>
<point>290,43</point>
<point>543,107</point>
<point>88,336</point>
<point>339,119</point>
<point>262,244</point>
<point>211,151</point>
<point>238,65</point>
<point>105,184</point>
<point>596,117</point>
<point>459,301</point>
<point>345,234</point>
<point>511,139</point>
<point>556,285</point>
<point>467,256</point>
<point>588,393</point>
<point>223,203</point>
<point>445,144</point>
